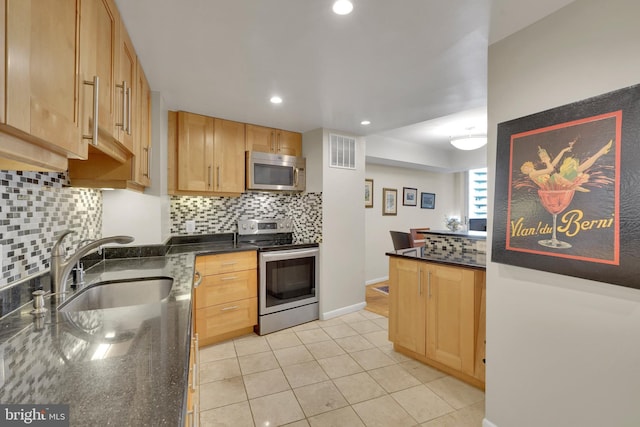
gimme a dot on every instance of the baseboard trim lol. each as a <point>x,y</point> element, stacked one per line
<point>487,423</point>
<point>342,311</point>
<point>378,280</point>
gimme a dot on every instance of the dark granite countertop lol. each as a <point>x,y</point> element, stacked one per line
<point>119,366</point>
<point>476,235</point>
<point>469,259</point>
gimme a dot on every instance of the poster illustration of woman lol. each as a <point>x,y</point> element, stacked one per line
<point>560,207</point>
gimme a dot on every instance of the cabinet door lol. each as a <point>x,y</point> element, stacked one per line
<point>260,138</point>
<point>450,323</point>
<point>125,91</point>
<point>142,142</point>
<point>407,304</point>
<point>195,152</point>
<point>41,77</point>
<point>289,143</point>
<point>229,156</point>
<point>98,31</point>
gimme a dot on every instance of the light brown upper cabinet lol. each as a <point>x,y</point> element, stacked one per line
<point>103,171</point>
<point>99,53</point>
<point>268,140</point>
<point>142,142</point>
<point>125,90</point>
<point>39,80</point>
<point>206,155</point>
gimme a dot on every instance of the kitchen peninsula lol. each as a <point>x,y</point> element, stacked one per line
<point>437,303</point>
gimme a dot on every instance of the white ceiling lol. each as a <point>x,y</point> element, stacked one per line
<point>417,69</point>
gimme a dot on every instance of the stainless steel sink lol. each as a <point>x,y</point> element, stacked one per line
<point>120,293</point>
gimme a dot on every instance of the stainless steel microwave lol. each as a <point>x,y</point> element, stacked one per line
<point>275,172</point>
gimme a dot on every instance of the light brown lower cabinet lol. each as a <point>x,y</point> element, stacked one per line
<point>226,300</point>
<point>437,316</point>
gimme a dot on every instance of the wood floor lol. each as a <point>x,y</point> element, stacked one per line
<point>377,302</point>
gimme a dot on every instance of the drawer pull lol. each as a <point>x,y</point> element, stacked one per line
<point>224,264</point>
<point>230,308</point>
<point>199,276</point>
<point>229,278</point>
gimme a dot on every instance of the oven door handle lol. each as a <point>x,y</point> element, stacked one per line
<point>289,254</point>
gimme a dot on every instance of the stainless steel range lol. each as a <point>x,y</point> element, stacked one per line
<point>288,274</point>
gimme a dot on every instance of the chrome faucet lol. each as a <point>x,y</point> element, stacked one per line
<point>60,268</point>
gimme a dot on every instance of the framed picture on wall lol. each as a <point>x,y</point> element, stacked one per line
<point>427,200</point>
<point>409,196</point>
<point>389,201</point>
<point>368,193</point>
<point>566,194</point>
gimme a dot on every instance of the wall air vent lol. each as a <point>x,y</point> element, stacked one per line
<point>342,152</point>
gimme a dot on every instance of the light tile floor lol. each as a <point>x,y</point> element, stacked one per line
<point>339,372</point>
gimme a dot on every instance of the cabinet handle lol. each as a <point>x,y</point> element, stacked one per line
<point>196,416</point>
<point>429,283</point>
<point>273,141</point>
<point>209,175</point>
<point>129,111</point>
<point>197,273</point>
<point>225,264</point>
<point>228,278</point>
<point>123,122</point>
<point>146,150</point>
<point>217,176</point>
<point>194,383</point>
<point>96,109</point>
<point>419,281</point>
<point>230,308</point>
<point>278,142</point>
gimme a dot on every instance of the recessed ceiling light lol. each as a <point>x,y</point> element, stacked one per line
<point>276,100</point>
<point>342,7</point>
<point>365,122</point>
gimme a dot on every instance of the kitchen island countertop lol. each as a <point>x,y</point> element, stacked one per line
<point>471,259</point>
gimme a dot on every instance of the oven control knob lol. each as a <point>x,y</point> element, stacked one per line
<point>244,226</point>
<point>253,226</point>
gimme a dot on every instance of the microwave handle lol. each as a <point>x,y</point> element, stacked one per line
<point>296,172</point>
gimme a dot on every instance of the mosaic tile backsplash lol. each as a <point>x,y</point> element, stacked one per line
<point>220,214</point>
<point>34,208</point>
<point>443,245</point>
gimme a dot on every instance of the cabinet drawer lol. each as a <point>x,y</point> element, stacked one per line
<point>226,263</point>
<point>223,318</point>
<point>224,288</point>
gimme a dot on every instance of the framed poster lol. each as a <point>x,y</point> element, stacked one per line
<point>389,201</point>
<point>567,197</point>
<point>368,193</point>
<point>427,200</point>
<point>409,196</point>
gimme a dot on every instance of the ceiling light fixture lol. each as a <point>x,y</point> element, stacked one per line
<point>342,7</point>
<point>365,122</point>
<point>469,142</point>
<point>276,100</point>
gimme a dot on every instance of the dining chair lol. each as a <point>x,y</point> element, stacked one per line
<point>401,240</point>
<point>417,239</point>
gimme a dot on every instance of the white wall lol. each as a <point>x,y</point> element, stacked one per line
<point>146,216</point>
<point>561,351</point>
<point>342,251</point>
<point>377,237</point>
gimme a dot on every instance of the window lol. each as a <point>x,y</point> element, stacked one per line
<point>477,190</point>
